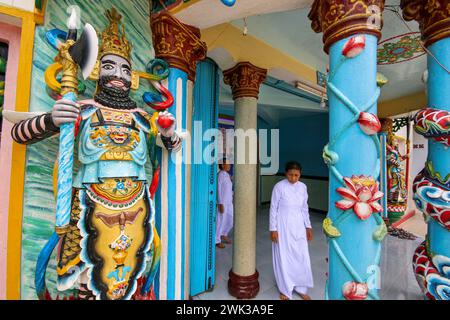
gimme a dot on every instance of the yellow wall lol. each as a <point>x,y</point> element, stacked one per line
<point>259,53</point>
<point>402,105</point>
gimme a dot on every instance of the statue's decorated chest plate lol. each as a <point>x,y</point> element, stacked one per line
<point>115,132</point>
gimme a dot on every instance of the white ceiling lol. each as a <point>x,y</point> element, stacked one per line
<point>291,32</point>
<point>288,28</point>
<point>217,12</point>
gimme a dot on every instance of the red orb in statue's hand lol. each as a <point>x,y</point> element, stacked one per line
<point>165,122</point>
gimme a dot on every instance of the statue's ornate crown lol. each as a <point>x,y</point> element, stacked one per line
<point>112,41</point>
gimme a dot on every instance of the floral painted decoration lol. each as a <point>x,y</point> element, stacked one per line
<point>355,290</point>
<point>369,123</point>
<point>354,46</point>
<point>361,194</point>
<point>401,48</point>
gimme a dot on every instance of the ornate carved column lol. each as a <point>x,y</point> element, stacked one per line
<point>432,186</point>
<point>177,43</point>
<point>180,45</point>
<point>354,226</point>
<point>245,80</point>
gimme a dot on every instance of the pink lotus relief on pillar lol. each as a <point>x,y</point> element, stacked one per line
<point>361,195</point>
<point>354,46</point>
<point>369,123</point>
<point>355,290</point>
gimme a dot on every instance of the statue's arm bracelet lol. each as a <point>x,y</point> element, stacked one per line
<point>34,130</point>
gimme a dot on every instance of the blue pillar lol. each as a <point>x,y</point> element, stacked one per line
<point>172,200</point>
<point>180,46</point>
<point>355,255</point>
<point>354,226</point>
<point>431,261</point>
<point>438,153</point>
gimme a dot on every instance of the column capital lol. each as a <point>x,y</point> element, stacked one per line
<point>433,17</point>
<point>244,79</point>
<point>339,19</point>
<point>177,43</point>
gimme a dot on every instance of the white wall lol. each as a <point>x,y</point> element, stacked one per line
<point>27,5</point>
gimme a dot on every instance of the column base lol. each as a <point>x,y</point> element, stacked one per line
<point>243,287</point>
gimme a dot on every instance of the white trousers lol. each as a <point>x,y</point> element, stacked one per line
<point>224,222</point>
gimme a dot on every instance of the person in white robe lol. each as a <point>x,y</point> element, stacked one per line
<point>224,217</point>
<point>290,229</point>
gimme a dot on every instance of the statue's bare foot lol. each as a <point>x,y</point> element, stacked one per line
<point>220,245</point>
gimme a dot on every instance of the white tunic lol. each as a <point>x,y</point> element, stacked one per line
<point>289,215</point>
<point>224,222</point>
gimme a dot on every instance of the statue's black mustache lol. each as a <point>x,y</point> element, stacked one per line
<point>107,79</point>
<point>112,96</point>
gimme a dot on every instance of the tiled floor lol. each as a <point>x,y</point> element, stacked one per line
<point>398,280</point>
<point>416,225</point>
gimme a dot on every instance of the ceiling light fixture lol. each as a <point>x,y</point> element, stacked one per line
<point>315,90</point>
<point>245,27</point>
<point>323,104</point>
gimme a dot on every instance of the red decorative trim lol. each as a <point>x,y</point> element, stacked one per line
<point>243,287</point>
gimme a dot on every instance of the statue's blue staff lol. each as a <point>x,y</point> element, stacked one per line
<point>73,56</point>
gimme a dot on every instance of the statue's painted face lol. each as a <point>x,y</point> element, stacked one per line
<point>394,143</point>
<point>117,70</point>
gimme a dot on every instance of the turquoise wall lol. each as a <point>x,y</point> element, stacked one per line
<point>39,203</point>
<point>302,139</point>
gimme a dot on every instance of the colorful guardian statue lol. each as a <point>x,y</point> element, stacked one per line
<point>396,176</point>
<point>110,248</point>
<point>397,189</point>
<point>396,172</point>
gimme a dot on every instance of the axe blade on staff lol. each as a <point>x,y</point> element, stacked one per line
<point>73,55</point>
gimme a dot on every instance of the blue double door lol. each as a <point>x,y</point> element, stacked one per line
<point>203,178</point>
